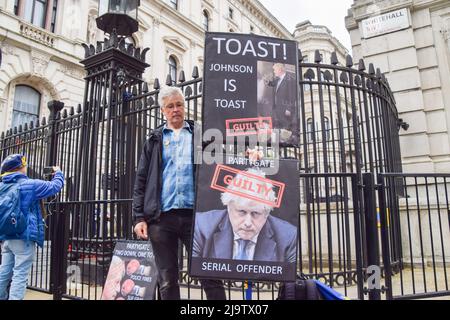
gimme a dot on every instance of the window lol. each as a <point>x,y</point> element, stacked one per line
<point>310,130</point>
<point>26,105</point>
<point>54,10</point>
<point>16,7</point>
<point>327,128</point>
<point>35,12</point>
<point>173,69</point>
<point>205,20</point>
<point>174,4</point>
<point>230,13</point>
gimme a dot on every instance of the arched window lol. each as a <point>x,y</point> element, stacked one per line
<point>174,4</point>
<point>26,107</point>
<point>173,69</point>
<point>205,20</point>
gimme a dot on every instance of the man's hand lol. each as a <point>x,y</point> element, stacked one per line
<point>255,154</point>
<point>56,169</point>
<point>141,230</point>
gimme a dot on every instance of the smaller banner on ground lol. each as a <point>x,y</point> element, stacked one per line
<point>246,222</point>
<point>132,274</point>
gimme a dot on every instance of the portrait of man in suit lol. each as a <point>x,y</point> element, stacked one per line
<point>284,87</point>
<point>245,229</point>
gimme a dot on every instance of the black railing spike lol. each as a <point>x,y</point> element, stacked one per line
<point>144,54</point>
<point>64,115</point>
<point>114,40</point>
<point>130,49</point>
<point>182,77</point>
<point>137,53</point>
<point>195,73</point>
<point>317,57</point>
<point>169,80</point>
<point>25,127</point>
<point>71,111</point>
<point>156,84</point>
<point>122,45</point>
<point>31,125</point>
<point>361,65</point>
<point>91,49</point>
<point>44,121</point>
<point>349,61</point>
<point>15,130</point>
<point>79,108</point>
<point>87,51</point>
<point>300,55</point>
<point>334,59</point>
<point>378,73</point>
<point>20,128</point>
<point>106,43</point>
<point>134,91</point>
<point>3,135</point>
<point>371,69</point>
<point>383,77</point>
<point>145,87</point>
<point>38,123</point>
<point>99,48</point>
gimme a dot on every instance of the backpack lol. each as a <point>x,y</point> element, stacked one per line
<point>302,289</point>
<point>12,220</point>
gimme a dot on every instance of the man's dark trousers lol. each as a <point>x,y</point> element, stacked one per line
<point>164,234</point>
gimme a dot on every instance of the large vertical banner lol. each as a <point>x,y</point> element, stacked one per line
<point>132,274</point>
<point>246,221</point>
<point>251,86</point>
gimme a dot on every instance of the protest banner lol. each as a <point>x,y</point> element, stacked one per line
<point>132,274</point>
<point>246,222</point>
<point>251,86</point>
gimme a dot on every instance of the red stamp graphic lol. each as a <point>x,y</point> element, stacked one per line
<point>248,185</point>
<point>248,126</point>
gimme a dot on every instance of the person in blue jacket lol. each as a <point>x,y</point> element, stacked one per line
<point>18,250</point>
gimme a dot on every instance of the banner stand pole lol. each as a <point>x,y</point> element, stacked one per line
<point>248,290</point>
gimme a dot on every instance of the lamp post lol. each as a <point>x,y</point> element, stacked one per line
<point>119,16</point>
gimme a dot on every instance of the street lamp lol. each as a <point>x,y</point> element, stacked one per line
<point>119,16</point>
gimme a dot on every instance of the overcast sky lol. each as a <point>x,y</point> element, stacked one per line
<point>330,13</point>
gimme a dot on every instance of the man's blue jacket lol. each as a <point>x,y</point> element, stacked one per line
<point>31,191</point>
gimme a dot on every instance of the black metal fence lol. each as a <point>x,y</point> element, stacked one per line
<point>349,130</point>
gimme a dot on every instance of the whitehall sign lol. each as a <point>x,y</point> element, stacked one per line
<point>386,23</point>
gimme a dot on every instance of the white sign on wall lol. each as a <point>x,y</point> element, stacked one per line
<point>385,23</point>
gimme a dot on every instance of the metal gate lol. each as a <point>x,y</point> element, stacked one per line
<point>349,136</point>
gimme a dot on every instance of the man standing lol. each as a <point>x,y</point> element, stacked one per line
<point>21,222</point>
<point>163,196</point>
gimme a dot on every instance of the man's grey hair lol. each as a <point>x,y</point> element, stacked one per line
<point>228,197</point>
<point>166,92</point>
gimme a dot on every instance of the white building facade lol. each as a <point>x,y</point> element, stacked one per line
<point>41,45</point>
<point>409,40</point>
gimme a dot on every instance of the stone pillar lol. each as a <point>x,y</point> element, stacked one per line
<point>408,56</point>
